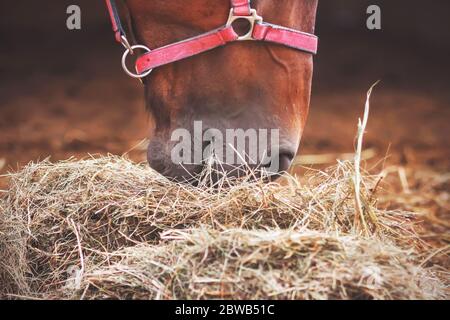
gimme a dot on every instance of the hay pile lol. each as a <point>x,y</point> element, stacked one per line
<point>109,228</point>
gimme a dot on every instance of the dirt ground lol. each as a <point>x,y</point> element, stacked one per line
<point>69,97</point>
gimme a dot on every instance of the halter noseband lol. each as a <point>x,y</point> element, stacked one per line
<point>240,9</point>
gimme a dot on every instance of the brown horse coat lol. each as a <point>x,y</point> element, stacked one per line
<point>241,86</point>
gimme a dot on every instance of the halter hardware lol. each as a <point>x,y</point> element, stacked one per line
<point>240,10</point>
<point>130,51</point>
<point>252,19</point>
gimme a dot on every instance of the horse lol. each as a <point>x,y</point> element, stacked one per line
<point>259,89</point>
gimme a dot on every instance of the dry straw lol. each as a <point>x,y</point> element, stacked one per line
<point>109,228</point>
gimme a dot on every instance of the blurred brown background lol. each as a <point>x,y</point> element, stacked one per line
<point>63,93</point>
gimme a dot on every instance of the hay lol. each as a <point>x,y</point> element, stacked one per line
<point>203,263</point>
<point>109,228</point>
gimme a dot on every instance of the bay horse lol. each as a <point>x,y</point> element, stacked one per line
<point>262,85</point>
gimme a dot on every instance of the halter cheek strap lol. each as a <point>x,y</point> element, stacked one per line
<point>240,9</point>
<point>118,29</point>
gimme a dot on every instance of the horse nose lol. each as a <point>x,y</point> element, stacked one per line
<point>277,162</point>
<point>159,159</point>
<point>280,162</point>
<point>285,159</point>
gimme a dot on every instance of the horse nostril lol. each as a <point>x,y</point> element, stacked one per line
<point>285,160</point>
<point>279,164</point>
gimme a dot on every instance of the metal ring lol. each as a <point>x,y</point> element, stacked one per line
<point>253,18</point>
<point>124,64</point>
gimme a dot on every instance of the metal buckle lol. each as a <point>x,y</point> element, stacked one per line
<point>252,19</point>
